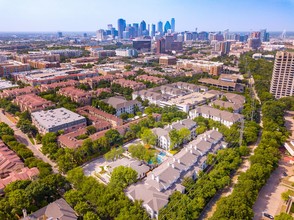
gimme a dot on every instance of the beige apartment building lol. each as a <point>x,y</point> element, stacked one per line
<point>282,83</point>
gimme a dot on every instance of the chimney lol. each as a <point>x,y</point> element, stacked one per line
<point>216,129</point>
<point>157,179</point>
<point>191,151</point>
<point>168,164</point>
<point>152,176</point>
<point>173,166</point>
<point>186,149</point>
<point>205,139</point>
<point>174,159</point>
<point>179,161</point>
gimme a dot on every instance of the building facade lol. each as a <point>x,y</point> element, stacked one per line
<point>282,83</point>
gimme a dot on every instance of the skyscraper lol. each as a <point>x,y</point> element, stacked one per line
<point>121,26</point>
<point>142,28</point>
<point>136,29</point>
<point>152,30</point>
<point>167,27</point>
<point>264,36</point>
<point>160,27</point>
<point>173,25</point>
<point>282,83</point>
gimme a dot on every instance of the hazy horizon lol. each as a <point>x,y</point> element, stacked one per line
<point>91,15</point>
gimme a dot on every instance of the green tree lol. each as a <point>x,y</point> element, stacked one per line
<point>184,134</point>
<point>123,176</point>
<point>175,138</point>
<point>114,137</point>
<point>91,130</point>
<point>148,137</point>
<point>283,216</point>
<point>91,216</point>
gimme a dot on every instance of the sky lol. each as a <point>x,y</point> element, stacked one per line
<point>91,15</point>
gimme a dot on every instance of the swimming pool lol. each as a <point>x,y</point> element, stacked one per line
<point>159,158</point>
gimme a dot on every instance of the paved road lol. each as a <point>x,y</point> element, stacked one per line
<point>23,138</point>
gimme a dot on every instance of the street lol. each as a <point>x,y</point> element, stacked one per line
<point>23,138</point>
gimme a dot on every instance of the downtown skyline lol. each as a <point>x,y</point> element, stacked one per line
<point>205,15</point>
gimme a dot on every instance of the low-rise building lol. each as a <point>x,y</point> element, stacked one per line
<point>58,85</point>
<point>9,161</point>
<point>42,64</point>
<point>32,103</point>
<point>163,139</point>
<point>58,119</point>
<point>136,165</point>
<point>224,117</point>
<point>95,115</point>
<point>127,52</point>
<point>58,209</point>
<point>25,58</point>
<point>167,60</point>
<point>76,95</point>
<point>152,79</point>
<point>122,105</point>
<point>4,84</point>
<point>155,190</point>
<point>8,67</point>
<point>24,173</point>
<point>224,85</point>
<point>93,82</point>
<point>235,107</point>
<point>129,84</point>
<point>213,68</point>
<point>13,93</point>
<point>47,76</point>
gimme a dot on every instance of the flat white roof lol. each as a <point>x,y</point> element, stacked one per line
<point>56,117</point>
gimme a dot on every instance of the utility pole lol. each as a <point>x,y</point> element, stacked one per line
<point>241,132</point>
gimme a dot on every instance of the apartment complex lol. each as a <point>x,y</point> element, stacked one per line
<point>224,117</point>
<point>129,84</point>
<point>58,85</point>
<point>47,76</point>
<point>184,96</point>
<point>76,95</point>
<point>13,93</point>
<point>223,85</point>
<point>167,178</point>
<point>58,119</point>
<point>282,83</point>
<point>213,68</point>
<point>162,134</point>
<point>12,168</point>
<point>9,67</point>
<point>32,103</point>
<point>122,105</point>
<point>152,79</point>
<point>25,58</point>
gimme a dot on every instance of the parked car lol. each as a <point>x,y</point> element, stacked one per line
<point>267,215</point>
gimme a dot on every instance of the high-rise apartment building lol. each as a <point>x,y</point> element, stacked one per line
<point>121,26</point>
<point>282,83</point>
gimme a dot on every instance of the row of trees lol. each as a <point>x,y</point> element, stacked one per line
<point>265,159</point>
<point>198,194</point>
<point>7,136</point>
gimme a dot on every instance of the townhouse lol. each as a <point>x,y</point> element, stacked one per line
<point>224,117</point>
<point>32,103</point>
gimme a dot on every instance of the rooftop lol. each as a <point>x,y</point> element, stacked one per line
<point>56,117</point>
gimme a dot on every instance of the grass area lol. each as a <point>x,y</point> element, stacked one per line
<point>32,140</point>
<point>173,152</point>
<point>102,170</point>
